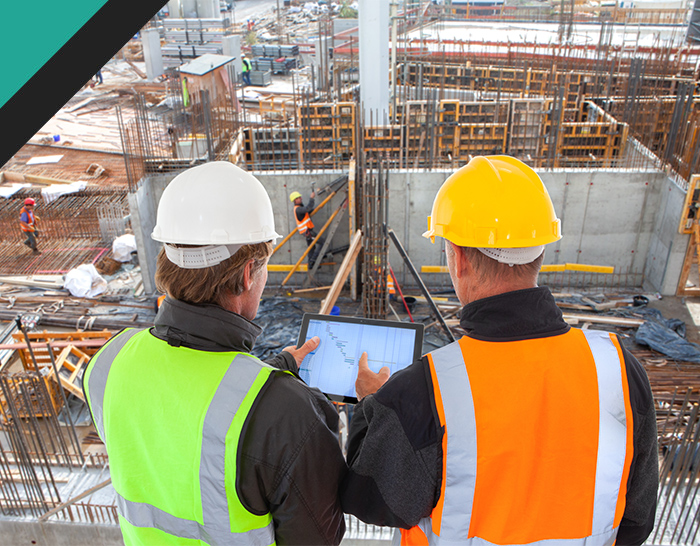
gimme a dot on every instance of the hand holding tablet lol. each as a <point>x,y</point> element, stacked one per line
<point>333,366</point>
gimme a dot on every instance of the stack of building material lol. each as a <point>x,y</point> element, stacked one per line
<point>260,78</point>
<point>276,51</point>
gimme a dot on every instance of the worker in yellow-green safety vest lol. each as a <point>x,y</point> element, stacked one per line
<point>246,67</point>
<point>207,444</point>
<point>525,431</point>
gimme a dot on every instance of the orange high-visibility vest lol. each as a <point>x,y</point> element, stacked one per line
<point>390,284</point>
<point>305,223</point>
<point>30,217</point>
<point>538,441</point>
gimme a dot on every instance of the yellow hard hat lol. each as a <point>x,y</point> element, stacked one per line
<point>494,202</point>
<point>293,196</point>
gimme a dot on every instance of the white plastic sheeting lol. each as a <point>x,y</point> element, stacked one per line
<point>123,246</point>
<point>84,282</point>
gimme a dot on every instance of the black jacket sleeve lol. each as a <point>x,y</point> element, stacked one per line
<point>291,465</point>
<point>643,481</point>
<point>394,453</point>
<point>283,361</point>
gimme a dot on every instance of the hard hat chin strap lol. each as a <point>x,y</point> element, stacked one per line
<point>200,257</point>
<point>513,256</point>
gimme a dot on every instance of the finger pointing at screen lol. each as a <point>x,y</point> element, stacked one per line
<point>367,381</point>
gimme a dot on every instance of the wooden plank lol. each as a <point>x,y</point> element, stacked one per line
<point>613,321</point>
<point>9,176</point>
<point>75,499</point>
<point>351,224</point>
<point>340,278</point>
<point>98,342</point>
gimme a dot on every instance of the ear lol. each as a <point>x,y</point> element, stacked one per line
<point>248,275</point>
<point>462,264</point>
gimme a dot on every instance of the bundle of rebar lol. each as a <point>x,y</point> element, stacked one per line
<point>375,210</point>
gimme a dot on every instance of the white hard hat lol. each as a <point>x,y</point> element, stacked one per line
<point>217,206</point>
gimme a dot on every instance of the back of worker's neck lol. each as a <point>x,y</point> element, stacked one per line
<point>471,293</point>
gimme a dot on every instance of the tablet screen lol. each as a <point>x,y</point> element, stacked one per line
<point>333,366</point>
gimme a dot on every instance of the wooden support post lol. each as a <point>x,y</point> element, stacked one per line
<point>342,275</point>
<point>351,223</point>
<point>313,243</point>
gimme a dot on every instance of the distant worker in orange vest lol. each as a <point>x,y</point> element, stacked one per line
<point>525,430</point>
<point>28,224</point>
<point>302,216</point>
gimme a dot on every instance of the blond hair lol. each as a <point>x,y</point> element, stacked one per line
<point>210,284</point>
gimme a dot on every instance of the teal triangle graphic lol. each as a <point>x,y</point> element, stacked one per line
<point>32,33</point>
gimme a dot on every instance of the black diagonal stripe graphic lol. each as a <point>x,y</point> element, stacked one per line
<point>68,70</point>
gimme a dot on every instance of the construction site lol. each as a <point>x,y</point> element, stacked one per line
<point>371,107</point>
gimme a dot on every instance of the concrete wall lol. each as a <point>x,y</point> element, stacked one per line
<point>21,531</point>
<point>623,219</point>
<point>143,205</point>
<point>666,246</point>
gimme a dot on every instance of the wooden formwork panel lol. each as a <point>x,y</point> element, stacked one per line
<point>526,132</point>
<point>41,354</point>
<point>384,139</point>
<point>481,139</point>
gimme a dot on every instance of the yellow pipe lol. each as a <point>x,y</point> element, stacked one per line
<point>286,267</point>
<point>553,267</point>
<point>434,269</point>
<point>590,268</point>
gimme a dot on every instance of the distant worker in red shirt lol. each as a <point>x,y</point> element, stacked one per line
<point>28,224</point>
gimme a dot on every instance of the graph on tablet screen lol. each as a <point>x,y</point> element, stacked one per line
<point>340,349</point>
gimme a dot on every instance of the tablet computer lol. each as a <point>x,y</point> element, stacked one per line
<point>332,367</point>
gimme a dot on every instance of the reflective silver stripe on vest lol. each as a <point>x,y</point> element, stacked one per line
<point>97,381</point>
<point>460,427</point>
<point>612,432</point>
<point>229,395</point>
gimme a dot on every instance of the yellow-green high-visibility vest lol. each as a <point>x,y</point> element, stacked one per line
<point>171,420</point>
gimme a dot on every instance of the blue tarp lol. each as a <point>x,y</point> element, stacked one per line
<point>666,336</point>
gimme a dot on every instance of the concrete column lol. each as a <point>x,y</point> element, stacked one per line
<point>188,9</point>
<point>208,9</point>
<point>152,55</point>
<point>374,58</point>
<point>231,46</point>
<point>175,9</point>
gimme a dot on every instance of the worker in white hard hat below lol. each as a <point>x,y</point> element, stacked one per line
<point>206,443</point>
<point>302,216</point>
<point>525,430</point>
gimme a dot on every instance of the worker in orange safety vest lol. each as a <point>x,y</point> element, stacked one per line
<point>302,216</point>
<point>523,431</point>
